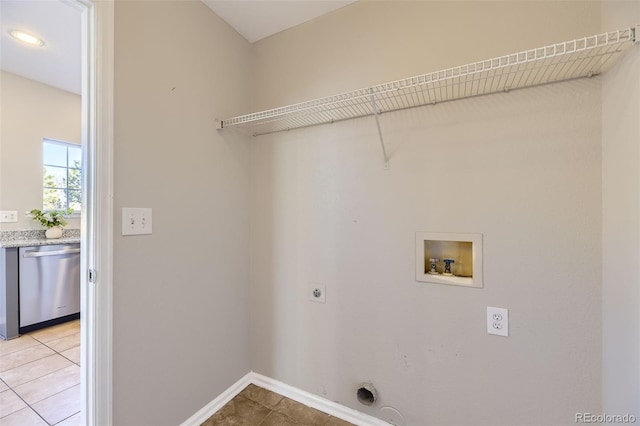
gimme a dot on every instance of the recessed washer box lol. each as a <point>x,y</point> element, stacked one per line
<point>449,258</point>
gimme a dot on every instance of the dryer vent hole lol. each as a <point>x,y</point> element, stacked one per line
<point>366,395</point>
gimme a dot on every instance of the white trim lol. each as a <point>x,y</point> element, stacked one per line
<point>333,408</point>
<point>103,214</point>
<point>303,397</point>
<point>208,410</point>
<point>97,219</point>
<point>87,307</point>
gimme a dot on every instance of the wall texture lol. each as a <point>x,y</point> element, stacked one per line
<point>621,222</point>
<point>31,111</point>
<point>523,169</point>
<point>180,295</point>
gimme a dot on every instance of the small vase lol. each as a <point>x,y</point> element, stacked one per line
<point>53,233</point>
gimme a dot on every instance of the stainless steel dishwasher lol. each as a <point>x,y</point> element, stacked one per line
<point>49,283</point>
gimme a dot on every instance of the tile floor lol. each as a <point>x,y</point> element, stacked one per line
<point>255,406</point>
<point>40,377</point>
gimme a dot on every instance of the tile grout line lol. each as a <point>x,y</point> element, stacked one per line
<point>265,417</point>
<point>271,410</point>
<point>12,389</point>
<point>30,406</point>
<point>63,350</point>
<point>39,343</point>
<point>57,338</point>
<point>16,394</point>
<point>50,396</point>
<point>27,406</point>
<point>21,349</point>
<point>66,418</point>
<point>36,378</point>
<point>274,409</point>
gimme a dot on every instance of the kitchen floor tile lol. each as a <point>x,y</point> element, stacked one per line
<point>56,332</point>
<point>71,421</point>
<point>72,354</point>
<point>24,356</point>
<point>24,417</point>
<point>64,343</point>
<point>10,403</point>
<point>17,344</point>
<point>49,385</point>
<point>32,370</point>
<point>59,406</point>
<point>39,386</point>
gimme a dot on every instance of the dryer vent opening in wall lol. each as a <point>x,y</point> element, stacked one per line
<point>367,394</point>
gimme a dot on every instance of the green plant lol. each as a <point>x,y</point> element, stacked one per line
<point>50,218</point>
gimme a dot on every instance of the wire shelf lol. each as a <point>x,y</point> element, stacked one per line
<point>583,57</point>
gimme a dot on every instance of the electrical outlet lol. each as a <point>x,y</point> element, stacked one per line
<point>8,216</point>
<point>136,221</point>
<point>498,321</point>
<point>317,293</point>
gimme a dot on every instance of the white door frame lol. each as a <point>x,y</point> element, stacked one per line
<point>97,218</point>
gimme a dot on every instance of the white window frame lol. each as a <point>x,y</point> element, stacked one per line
<point>68,145</point>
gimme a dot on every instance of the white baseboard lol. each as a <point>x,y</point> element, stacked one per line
<point>208,410</point>
<point>333,408</point>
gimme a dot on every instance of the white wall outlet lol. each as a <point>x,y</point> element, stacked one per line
<point>8,216</point>
<point>317,293</point>
<point>498,321</point>
<point>136,221</point>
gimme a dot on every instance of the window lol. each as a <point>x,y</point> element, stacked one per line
<point>62,188</point>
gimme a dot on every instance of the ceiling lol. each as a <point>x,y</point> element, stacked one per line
<point>257,19</point>
<point>58,62</point>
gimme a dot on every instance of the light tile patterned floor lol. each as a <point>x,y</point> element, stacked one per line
<point>40,377</point>
<point>255,406</point>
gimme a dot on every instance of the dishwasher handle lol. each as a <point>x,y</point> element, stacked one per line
<point>35,253</point>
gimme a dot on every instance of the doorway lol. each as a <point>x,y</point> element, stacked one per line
<point>97,220</point>
<point>95,90</point>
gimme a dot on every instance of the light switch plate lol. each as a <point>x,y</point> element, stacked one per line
<point>7,216</point>
<point>498,321</point>
<point>136,221</point>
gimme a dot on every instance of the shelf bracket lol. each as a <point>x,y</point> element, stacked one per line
<point>374,107</point>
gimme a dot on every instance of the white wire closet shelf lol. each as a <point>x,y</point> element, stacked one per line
<point>584,57</point>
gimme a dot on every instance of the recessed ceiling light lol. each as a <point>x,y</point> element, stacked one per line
<point>26,38</point>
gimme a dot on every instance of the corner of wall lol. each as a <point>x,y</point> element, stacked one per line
<point>621,220</point>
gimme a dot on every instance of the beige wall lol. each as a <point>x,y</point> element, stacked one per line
<point>180,295</point>
<point>523,169</point>
<point>621,222</point>
<point>374,42</point>
<point>31,111</point>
